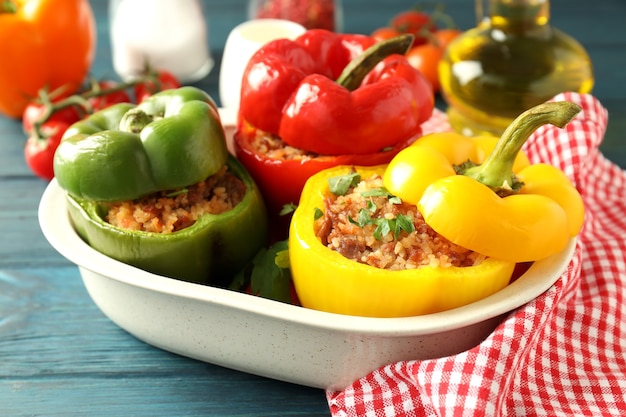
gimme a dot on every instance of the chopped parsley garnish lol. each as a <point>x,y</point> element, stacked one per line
<point>287,209</point>
<point>382,192</point>
<point>384,225</point>
<point>341,184</point>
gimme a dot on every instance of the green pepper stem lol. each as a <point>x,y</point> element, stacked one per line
<point>135,120</point>
<point>497,170</point>
<point>354,73</point>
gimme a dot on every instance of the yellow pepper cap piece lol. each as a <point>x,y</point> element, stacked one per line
<point>413,169</point>
<point>517,228</point>
<point>459,149</point>
<point>547,180</point>
<point>499,204</point>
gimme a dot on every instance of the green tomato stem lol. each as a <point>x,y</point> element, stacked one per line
<point>50,107</point>
<point>497,170</point>
<point>8,6</point>
<point>354,73</point>
<point>81,100</point>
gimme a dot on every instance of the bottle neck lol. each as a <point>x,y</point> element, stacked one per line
<point>518,15</point>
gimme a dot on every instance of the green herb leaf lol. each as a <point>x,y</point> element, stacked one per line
<point>394,200</point>
<point>364,217</point>
<point>403,223</point>
<point>282,259</point>
<point>376,192</point>
<point>382,192</point>
<point>287,209</point>
<point>317,213</point>
<point>268,274</point>
<point>341,184</point>
<point>383,226</point>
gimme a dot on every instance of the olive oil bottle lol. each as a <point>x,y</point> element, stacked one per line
<point>511,61</point>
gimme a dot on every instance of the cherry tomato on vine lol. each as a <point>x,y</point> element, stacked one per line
<point>39,152</point>
<point>104,101</point>
<point>166,81</point>
<point>36,109</point>
<point>414,22</point>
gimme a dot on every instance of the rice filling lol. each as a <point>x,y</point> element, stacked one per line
<point>173,210</point>
<point>274,147</point>
<point>395,249</point>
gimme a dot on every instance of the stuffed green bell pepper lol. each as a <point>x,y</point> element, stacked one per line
<point>153,185</point>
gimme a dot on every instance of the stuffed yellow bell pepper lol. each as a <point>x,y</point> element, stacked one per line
<point>499,205</point>
<point>326,280</point>
<point>518,217</point>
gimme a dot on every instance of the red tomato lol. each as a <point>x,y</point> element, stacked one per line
<point>165,81</point>
<point>34,111</point>
<point>426,59</point>
<point>444,36</point>
<point>415,22</point>
<point>106,100</point>
<point>384,33</point>
<point>39,152</point>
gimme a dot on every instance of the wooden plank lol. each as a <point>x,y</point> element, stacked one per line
<point>62,357</point>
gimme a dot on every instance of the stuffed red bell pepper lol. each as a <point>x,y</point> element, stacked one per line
<point>322,100</point>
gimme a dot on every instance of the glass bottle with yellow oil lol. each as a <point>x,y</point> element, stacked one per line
<point>511,61</point>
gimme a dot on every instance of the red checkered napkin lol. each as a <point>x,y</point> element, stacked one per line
<point>563,354</point>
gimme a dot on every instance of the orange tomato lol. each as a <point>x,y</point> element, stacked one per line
<point>444,36</point>
<point>426,58</point>
<point>384,33</point>
<point>46,44</point>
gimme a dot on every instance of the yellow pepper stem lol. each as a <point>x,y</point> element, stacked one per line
<point>497,170</point>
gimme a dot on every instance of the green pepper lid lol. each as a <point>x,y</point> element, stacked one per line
<point>171,140</point>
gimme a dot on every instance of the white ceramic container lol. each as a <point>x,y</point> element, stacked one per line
<point>242,42</point>
<point>270,338</point>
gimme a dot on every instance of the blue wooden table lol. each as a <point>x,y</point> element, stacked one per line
<point>60,356</point>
